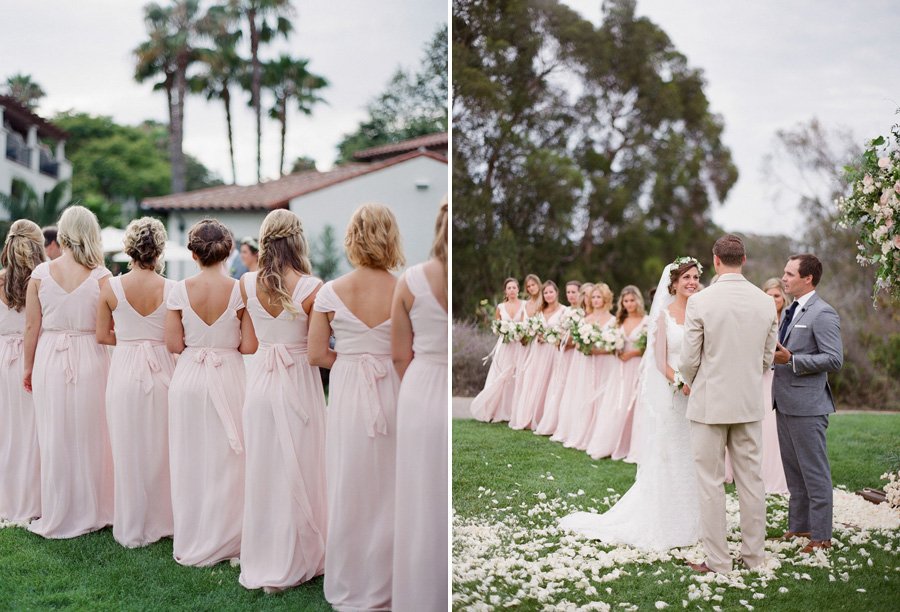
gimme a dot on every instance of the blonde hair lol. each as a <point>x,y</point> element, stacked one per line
<point>621,313</point>
<point>22,252</point>
<point>775,283</point>
<point>606,293</point>
<point>282,246</point>
<point>144,242</point>
<point>79,233</point>
<point>439,246</point>
<point>583,300</point>
<point>536,279</point>
<point>373,239</point>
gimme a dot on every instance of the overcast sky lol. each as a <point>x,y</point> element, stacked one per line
<point>770,65</point>
<point>81,54</point>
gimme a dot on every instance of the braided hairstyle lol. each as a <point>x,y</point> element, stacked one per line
<point>144,242</point>
<point>79,232</point>
<point>23,251</point>
<point>282,247</point>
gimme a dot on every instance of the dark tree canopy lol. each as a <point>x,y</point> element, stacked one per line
<point>579,151</point>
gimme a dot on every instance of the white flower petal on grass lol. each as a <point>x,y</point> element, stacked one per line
<point>660,605</point>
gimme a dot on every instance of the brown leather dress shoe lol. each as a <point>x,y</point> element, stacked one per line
<point>790,535</point>
<point>814,544</point>
<point>702,568</point>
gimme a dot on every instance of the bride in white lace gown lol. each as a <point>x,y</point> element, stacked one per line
<point>661,510</point>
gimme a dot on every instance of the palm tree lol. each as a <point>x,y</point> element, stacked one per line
<point>266,19</point>
<point>22,88</point>
<point>167,54</point>
<point>290,82</point>
<point>222,66</point>
<point>24,202</point>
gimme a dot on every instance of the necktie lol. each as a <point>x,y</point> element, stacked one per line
<point>786,322</point>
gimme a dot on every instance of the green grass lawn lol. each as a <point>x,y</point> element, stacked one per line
<point>510,488</point>
<point>93,572</point>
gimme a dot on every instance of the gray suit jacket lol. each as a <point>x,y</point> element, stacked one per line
<point>814,339</point>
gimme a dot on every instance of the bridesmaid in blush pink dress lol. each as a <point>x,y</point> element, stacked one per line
<point>552,403</point>
<point>360,433</point>
<point>206,395</point>
<point>495,401</point>
<point>132,317</point>
<point>576,400</point>
<point>283,541</point>
<point>604,424</point>
<point>632,320</point>
<point>419,342</point>
<point>528,407</point>
<point>67,369</point>
<point>20,464</point>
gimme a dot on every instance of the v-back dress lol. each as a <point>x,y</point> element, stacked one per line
<point>20,462</point>
<point>206,442</point>
<point>137,410</point>
<point>283,542</point>
<point>420,581</point>
<point>494,402</point>
<point>360,460</point>
<point>69,382</point>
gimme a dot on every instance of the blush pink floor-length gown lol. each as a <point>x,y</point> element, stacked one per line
<point>137,410</point>
<point>206,443</point>
<point>20,462</point>
<point>360,460</point>
<point>575,405</point>
<point>533,379</point>
<point>598,404</point>
<point>69,382</point>
<point>630,439</point>
<point>552,401</point>
<point>420,582</point>
<point>495,401</point>
<point>283,541</point>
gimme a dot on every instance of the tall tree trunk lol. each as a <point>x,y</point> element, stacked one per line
<point>226,99</point>
<point>283,117</point>
<point>176,131</point>
<point>255,86</point>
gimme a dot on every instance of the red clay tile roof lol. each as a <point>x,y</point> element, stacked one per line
<point>428,141</point>
<point>15,112</point>
<point>272,194</point>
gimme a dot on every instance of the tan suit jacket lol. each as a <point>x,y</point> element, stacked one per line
<point>730,330</point>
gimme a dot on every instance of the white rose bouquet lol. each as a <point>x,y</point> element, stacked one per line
<point>584,336</point>
<point>611,339</point>
<point>553,334</point>
<point>531,328</point>
<point>507,330</point>
<point>679,382</point>
<point>873,208</point>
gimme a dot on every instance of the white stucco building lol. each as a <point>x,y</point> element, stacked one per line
<point>33,150</point>
<point>411,180</point>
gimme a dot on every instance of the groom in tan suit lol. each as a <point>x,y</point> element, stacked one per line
<point>729,341</point>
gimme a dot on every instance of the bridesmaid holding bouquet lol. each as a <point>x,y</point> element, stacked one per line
<point>631,318</point>
<point>569,408</point>
<point>494,402</point>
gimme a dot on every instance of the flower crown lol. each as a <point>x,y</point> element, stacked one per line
<point>680,261</point>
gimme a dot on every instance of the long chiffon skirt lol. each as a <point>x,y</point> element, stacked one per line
<point>552,403</point>
<point>531,387</point>
<point>495,401</point>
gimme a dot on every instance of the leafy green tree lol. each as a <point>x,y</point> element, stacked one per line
<point>326,256</point>
<point>26,91</point>
<point>221,66</point>
<point>266,20</point>
<point>303,164</point>
<point>291,84</point>
<point>579,151</point>
<point>23,202</point>
<point>412,104</point>
<point>168,52</point>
